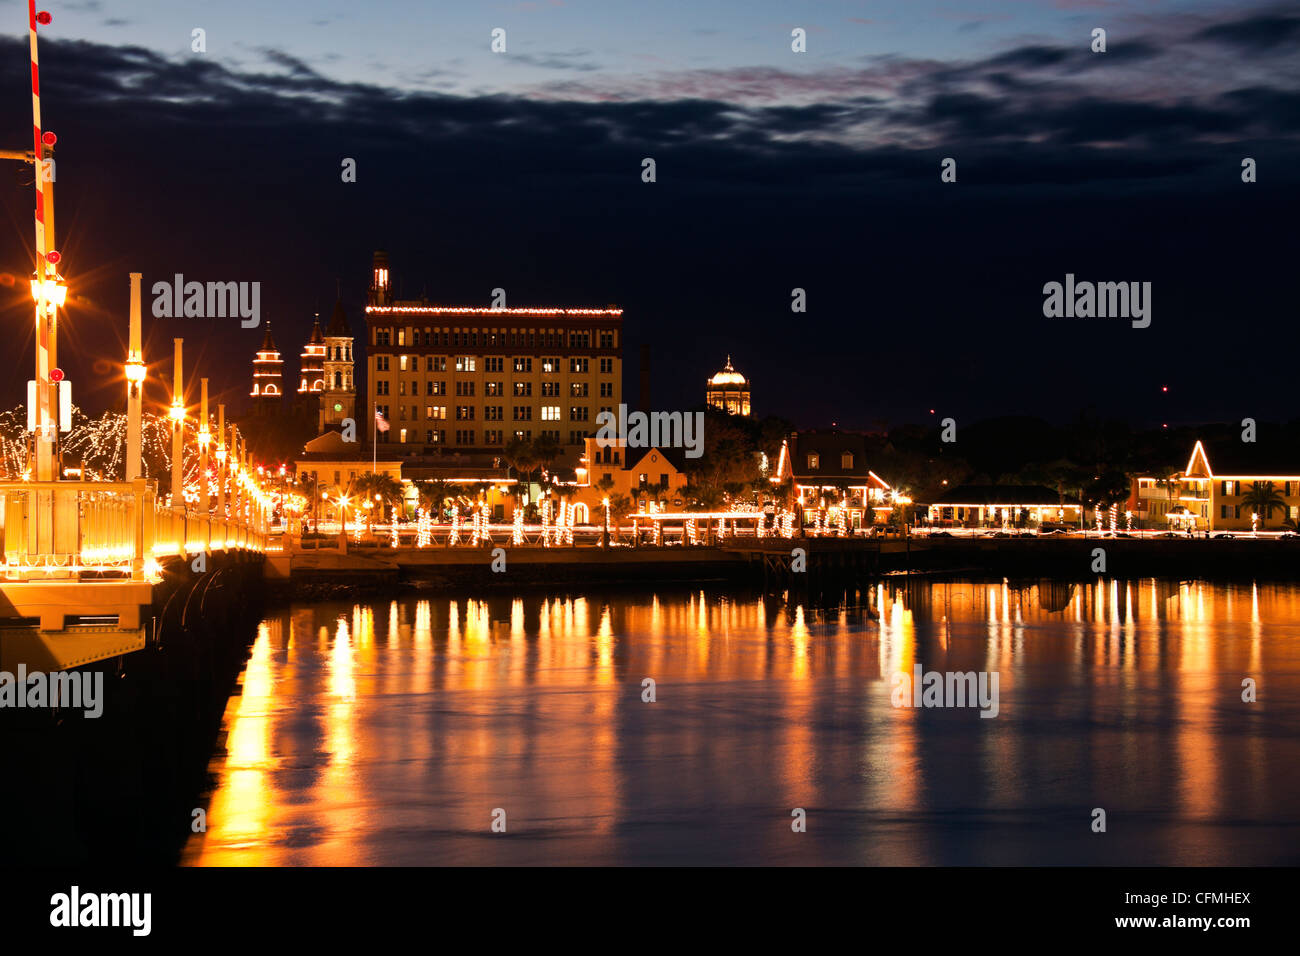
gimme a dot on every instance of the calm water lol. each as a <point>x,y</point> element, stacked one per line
<point>388,733</point>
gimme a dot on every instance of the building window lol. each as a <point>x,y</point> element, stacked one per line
<point>846,460</point>
<point>381,363</point>
<point>576,437</point>
<point>814,462</point>
<point>381,386</point>
<point>465,363</point>
<point>523,435</point>
<point>523,413</point>
<point>436,412</point>
<point>401,386</point>
<point>439,388</point>
<point>578,413</point>
<point>464,413</point>
<point>607,366</point>
<point>523,389</point>
<point>550,389</point>
<point>494,389</point>
<point>465,437</point>
<point>492,436</point>
<point>494,363</point>
<point>383,337</point>
<point>606,340</point>
<point>606,389</point>
<point>550,413</point>
<point>403,438</point>
<point>523,364</point>
<point>464,388</point>
<point>579,365</point>
<point>577,389</point>
<point>550,366</point>
<point>493,413</point>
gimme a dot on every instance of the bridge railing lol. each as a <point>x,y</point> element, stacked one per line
<point>62,529</point>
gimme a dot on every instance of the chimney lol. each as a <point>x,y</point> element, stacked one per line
<point>644,400</point>
<point>379,280</point>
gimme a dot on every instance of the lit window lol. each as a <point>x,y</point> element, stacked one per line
<point>814,462</point>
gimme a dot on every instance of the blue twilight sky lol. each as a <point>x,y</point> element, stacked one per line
<point>776,171</point>
<point>603,49</point>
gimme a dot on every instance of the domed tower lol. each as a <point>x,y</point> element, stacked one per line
<point>268,387</point>
<point>729,391</point>
<point>338,398</point>
<point>312,362</point>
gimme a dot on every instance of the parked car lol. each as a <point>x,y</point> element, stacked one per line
<point>1224,535</point>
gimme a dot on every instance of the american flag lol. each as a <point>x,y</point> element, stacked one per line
<point>380,422</point>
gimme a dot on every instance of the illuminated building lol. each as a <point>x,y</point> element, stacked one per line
<point>311,362</point>
<point>268,387</point>
<point>339,397</point>
<point>829,469</point>
<point>729,391</point>
<point>473,378</point>
<point>1210,493</point>
<point>996,506</point>
<point>644,475</point>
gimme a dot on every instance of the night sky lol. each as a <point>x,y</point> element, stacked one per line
<point>775,170</point>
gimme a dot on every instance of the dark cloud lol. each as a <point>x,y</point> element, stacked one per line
<point>1256,34</point>
<point>916,288</point>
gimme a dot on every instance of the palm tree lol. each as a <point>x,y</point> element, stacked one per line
<point>360,491</point>
<point>432,495</point>
<point>1263,499</point>
<point>545,450</point>
<point>388,491</point>
<point>520,457</point>
<point>310,488</point>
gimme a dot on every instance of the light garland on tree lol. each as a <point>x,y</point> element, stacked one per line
<point>546,522</point>
<point>394,538</point>
<point>517,531</point>
<point>453,538</point>
<point>692,534</point>
<point>423,529</point>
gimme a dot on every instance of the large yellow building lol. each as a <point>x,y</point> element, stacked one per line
<point>474,378</point>
<point>1218,490</point>
<point>644,475</point>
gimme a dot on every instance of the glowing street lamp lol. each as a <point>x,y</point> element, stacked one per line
<point>50,290</point>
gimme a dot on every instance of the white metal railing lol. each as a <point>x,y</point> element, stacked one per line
<point>66,528</point>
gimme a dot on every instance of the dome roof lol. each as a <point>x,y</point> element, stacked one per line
<point>728,376</point>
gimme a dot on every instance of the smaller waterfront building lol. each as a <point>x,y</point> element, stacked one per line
<point>1223,486</point>
<point>729,391</point>
<point>645,475</point>
<point>997,506</point>
<point>335,463</point>
<point>828,468</point>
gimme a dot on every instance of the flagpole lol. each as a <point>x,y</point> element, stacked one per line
<point>374,439</point>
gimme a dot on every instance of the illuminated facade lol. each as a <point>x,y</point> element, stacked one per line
<point>268,385</point>
<point>828,469</point>
<point>311,363</point>
<point>999,506</point>
<point>644,475</point>
<point>338,398</point>
<point>474,378</point>
<point>729,391</point>
<point>1213,492</point>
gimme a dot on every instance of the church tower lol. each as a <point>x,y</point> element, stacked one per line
<point>268,387</point>
<point>311,362</point>
<point>338,399</point>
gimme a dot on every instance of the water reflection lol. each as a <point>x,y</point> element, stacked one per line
<point>388,733</point>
